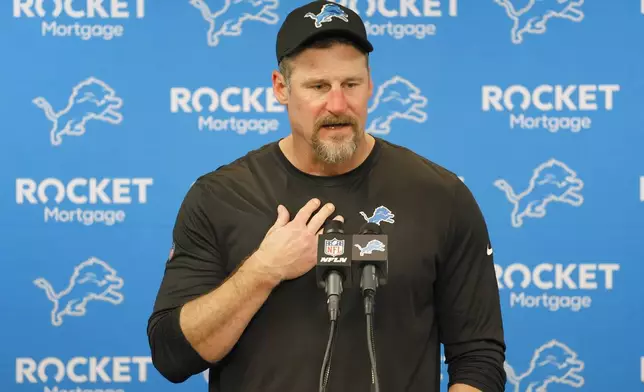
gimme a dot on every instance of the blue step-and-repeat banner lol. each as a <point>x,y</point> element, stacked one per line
<point>112,108</point>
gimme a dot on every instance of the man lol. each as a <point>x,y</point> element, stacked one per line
<point>239,295</point>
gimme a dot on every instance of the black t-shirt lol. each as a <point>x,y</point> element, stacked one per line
<point>441,287</point>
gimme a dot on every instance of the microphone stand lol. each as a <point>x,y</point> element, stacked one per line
<point>333,288</point>
<point>369,284</point>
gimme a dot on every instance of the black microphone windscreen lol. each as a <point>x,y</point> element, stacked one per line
<point>333,226</point>
<point>370,228</point>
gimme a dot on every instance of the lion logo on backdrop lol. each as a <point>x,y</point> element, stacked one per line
<point>396,98</point>
<point>533,17</point>
<point>552,363</point>
<point>230,18</point>
<point>92,280</point>
<point>91,99</point>
<point>552,182</point>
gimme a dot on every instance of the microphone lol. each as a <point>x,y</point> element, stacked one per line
<point>333,268</point>
<point>370,252</point>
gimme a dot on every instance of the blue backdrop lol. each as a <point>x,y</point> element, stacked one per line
<point>112,109</point>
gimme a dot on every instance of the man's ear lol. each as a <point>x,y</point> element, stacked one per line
<point>280,90</point>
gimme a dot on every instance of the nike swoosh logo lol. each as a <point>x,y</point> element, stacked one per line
<point>489,250</point>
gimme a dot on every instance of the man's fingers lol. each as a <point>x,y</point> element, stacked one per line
<point>305,212</point>
<point>282,216</point>
<point>281,220</point>
<point>318,219</point>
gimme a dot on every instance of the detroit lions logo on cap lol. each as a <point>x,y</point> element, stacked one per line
<point>327,13</point>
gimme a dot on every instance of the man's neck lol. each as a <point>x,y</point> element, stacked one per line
<point>299,153</point>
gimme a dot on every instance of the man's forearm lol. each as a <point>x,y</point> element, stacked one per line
<point>213,323</point>
<point>463,388</point>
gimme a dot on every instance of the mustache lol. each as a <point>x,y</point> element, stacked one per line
<point>336,120</point>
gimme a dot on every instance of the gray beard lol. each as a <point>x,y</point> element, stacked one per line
<point>335,151</point>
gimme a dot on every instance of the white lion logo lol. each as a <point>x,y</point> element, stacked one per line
<point>552,181</point>
<point>533,17</point>
<point>91,99</point>
<point>92,280</point>
<point>396,98</point>
<point>229,19</point>
<point>552,363</point>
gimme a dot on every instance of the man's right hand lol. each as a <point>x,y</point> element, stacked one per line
<point>289,249</point>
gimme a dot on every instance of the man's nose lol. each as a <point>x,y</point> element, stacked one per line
<point>336,101</point>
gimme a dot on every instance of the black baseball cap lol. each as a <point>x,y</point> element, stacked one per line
<point>320,19</point>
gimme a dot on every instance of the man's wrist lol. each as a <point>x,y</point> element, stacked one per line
<point>256,268</point>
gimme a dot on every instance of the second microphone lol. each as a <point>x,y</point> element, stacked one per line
<point>333,268</point>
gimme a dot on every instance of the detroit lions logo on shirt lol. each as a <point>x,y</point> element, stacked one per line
<point>327,13</point>
<point>381,214</point>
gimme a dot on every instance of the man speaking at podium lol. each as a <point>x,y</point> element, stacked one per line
<point>240,297</point>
